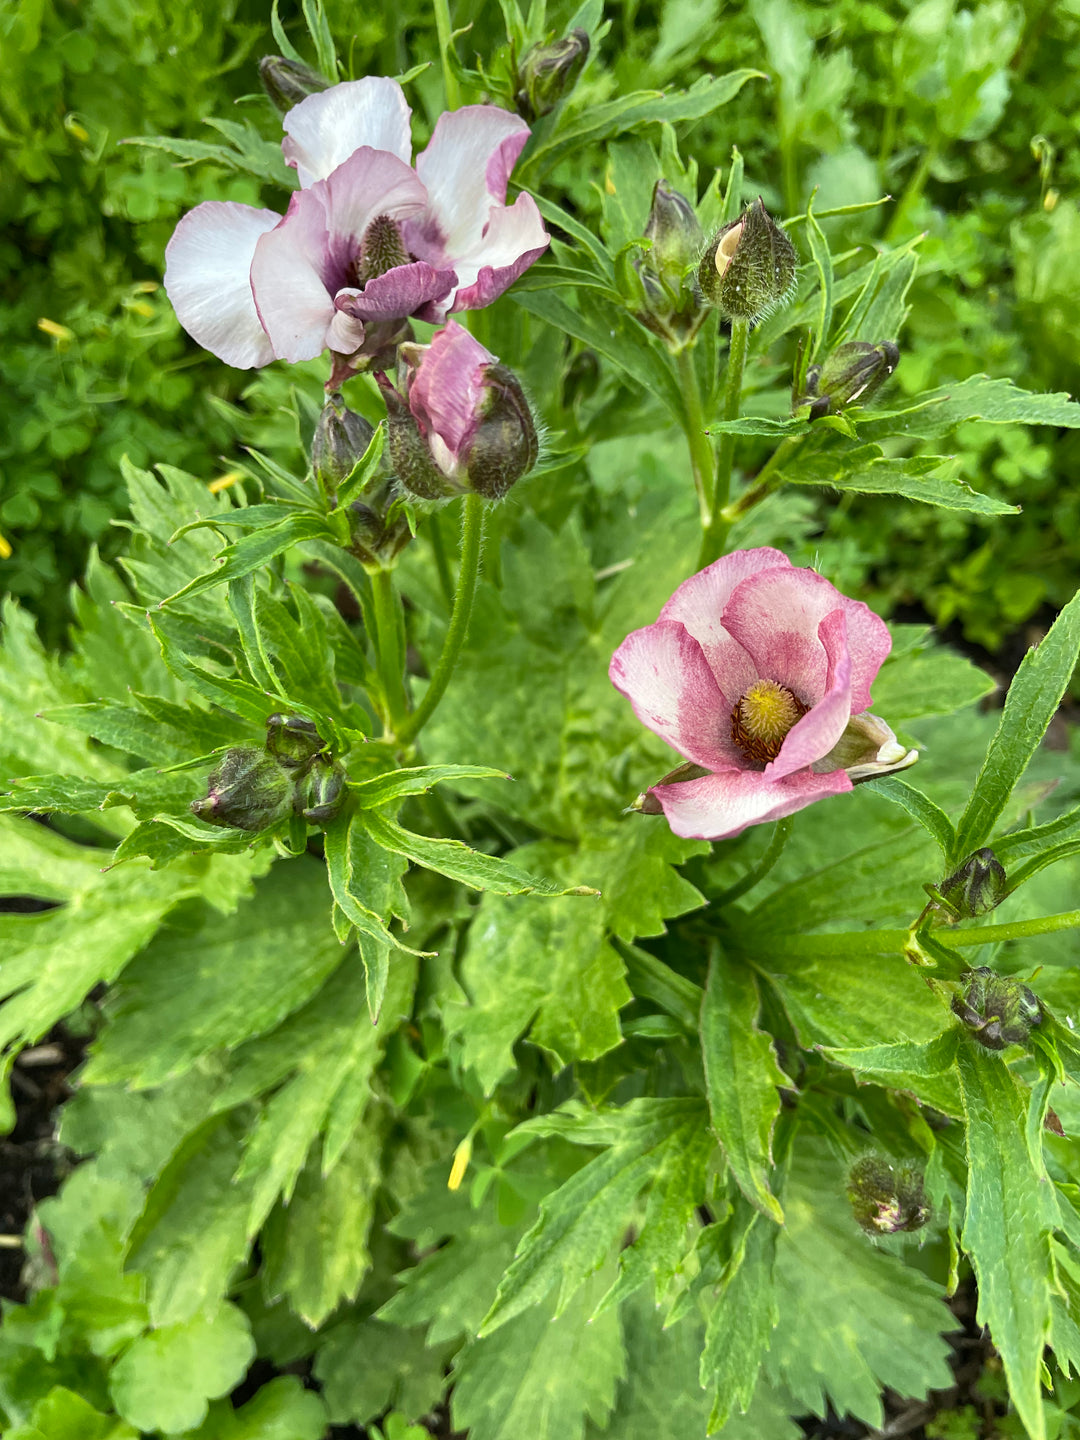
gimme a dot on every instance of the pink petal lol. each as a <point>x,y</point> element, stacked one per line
<point>448,386</point>
<point>813,736</point>
<point>369,183</point>
<point>774,616</point>
<point>291,277</point>
<point>662,672</point>
<point>208,280</point>
<point>514,238</point>
<point>699,604</point>
<point>465,169</point>
<point>869,642</point>
<point>719,806</point>
<point>396,294</point>
<point>324,130</point>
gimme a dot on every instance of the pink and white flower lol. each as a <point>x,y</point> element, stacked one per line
<point>759,673</point>
<point>367,239</point>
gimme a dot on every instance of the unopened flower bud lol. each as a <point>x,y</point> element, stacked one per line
<point>997,1010</point>
<point>378,526</point>
<point>853,372</point>
<point>293,741</point>
<point>673,305</point>
<point>287,82</point>
<point>887,1198</point>
<point>749,268</point>
<point>548,72</point>
<point>340,439</point>
<point>979,885</point>
<point>463,423</point>
<point>324,792</point>
<point>249,790</point>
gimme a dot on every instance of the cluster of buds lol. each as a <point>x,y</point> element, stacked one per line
<point>854,372</point>
<point>670,303</point>
<point>462,424</point>
<point>548,72</point>
<point>378,525</point>
<point>886,1198</point>
<point>998,1011</point>
<point>257,788</point>
<point>749,268</point>
<point>978,886</point>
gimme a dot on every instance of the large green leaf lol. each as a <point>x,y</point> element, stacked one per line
<point>740,1324</point>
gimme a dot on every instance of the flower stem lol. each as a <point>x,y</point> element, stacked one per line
<point>773,851</point>
<point>391,665</point>
<point>444,29</point>
<point>892,942</point>
<point>715,531</point>
<point>438,550</point>
<point>766,481</point>
<point>911,196</point>
<point>700,446</point>
<point>472,531</point>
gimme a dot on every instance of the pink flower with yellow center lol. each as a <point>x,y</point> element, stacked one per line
<point>368,240</point>
<point>759,674</point>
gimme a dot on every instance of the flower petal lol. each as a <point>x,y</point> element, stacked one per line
<point>813,736</point>
<point>662,672</point>
<point>291,276</point>
<point>514,238</point>
<point>719,806</point>
<point>324,130</point>
<point>699,604</point>
<point>208,280</point>
<point>465,169</point>
<point>369,183</point>
<point>448,386</point>
<point>397,293</point>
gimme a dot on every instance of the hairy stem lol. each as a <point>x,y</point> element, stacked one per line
<point>391,663</point>
<point>472,532</point>
<point>445,31</point>
<point>766,481</point>
<point>702,463</point>
<point>442,565</point>
<point>755,876</point>
<point>712,541</point>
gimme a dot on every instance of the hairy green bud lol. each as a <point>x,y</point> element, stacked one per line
<point>672,302</point>
<point>287,82</point>
<point>979,885</point>
<point>853,372</point>
<point>248,790</point>
<point>505,446</point>
<point>998,1011</point>
<point>887,1198</point>
<point>749,268</point>
<point>548,72</point>
<point>340,439</point>
<point>293,741</point>
<point>323,794</point>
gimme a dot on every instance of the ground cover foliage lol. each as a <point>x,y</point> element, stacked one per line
<point>457,1094</point>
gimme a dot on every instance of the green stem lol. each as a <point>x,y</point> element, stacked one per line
<point>910,197</point>
<point>472,531</point>
<point>390,662</point>
<point>702,463</point>
<point>766,481</point>
<point>442,565</point>
<point>892,942</point>
<point>445,31</point>
<point>755,876</point>
<point>716,529</point>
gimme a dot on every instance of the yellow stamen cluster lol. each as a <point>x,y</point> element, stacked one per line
<point>762,718</point>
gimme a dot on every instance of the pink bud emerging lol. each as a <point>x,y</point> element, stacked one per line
<point>759,674</point>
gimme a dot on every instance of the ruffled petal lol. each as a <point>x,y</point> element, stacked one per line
<point>324,130</point>
<point>448,387</point>
<point>716,807</point>
<point>514,238</point>
<point>774,616</point>
<point>397,293</point>
<point>465,169</point>
<point>662,672</point>
<point>208,280</point>
<point>291,277</point>
<point>699,604</point>
<point>812,737</point>
<point>369,183</point>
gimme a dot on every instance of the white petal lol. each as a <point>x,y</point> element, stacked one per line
<point>290,276</point>
<point>324,130</point>
<point>208,279</point>
<point>465,169</point>
<point>513,239</point>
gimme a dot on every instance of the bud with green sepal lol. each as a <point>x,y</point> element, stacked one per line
<point>380,526</point>
<point>673,307</point>
<point>463,424</point>
<point>249,790</point>
<point>287,82</point>
<point>853,373</point>
<point>548,72</point>
<point>979,885</point>
<point>323,793</point>
<point>887,1198</point>
<point>749,268</point>
<point>998,1010</point>
<point>293,741</point>
<point>340,441</point>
